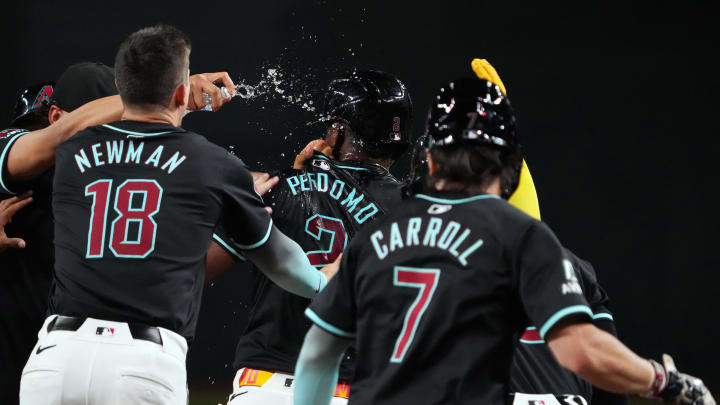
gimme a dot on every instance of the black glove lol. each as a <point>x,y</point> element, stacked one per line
<point>678,388</point>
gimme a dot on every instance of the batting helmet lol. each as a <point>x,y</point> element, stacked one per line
<point>472,110</point>
<point>376,105</point>
<point>33,98</point>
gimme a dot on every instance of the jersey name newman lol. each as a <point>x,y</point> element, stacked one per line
<point>437,234</point>
<point>119,152</point>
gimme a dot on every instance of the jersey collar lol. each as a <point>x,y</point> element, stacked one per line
<point>142,129</point>
<point>354,165</point>
<point>454,197</point>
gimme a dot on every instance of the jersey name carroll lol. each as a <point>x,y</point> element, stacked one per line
<point>433,232</point>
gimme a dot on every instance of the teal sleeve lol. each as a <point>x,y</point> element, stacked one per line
<point>283,261</point>
<point>316,372</point>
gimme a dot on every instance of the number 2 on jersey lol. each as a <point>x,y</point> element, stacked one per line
<point>120,243</point>
<point>315,226</point>
<point>426,281</point>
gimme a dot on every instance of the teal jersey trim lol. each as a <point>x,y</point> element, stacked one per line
<point>532,342</point>
<point>330,328</point>
<point>342,167</point>
<point>574,309</point>
<point>603,315</point>
<point>136,133</point>
<point>458,201</point>
<point>227,247</point>
<point>2,161</point>
<point>260,242</point>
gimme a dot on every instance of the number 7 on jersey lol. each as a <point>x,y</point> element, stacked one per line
<point>426,281</point>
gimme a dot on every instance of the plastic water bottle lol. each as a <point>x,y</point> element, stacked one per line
<point>208,99</point>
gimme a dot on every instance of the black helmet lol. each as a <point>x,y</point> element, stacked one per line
<point>472,110</point>
<point>32,98</point>
<point>375,104</point>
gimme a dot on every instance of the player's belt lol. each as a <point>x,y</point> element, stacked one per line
<point>137,330</point>
<point>251,377</point>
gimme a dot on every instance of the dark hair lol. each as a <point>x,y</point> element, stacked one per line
<point>34,120</point>
<point>373,150</point>
<point>150,64</point>
<point>472,166</point>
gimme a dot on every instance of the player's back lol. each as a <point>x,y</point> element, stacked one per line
<point>434,289</point>
<point>135,206</point>
<point>321,208</point>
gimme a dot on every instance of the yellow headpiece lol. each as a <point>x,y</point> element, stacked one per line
<point>525,197</point>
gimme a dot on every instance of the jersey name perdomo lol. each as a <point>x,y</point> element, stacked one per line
<point>433,232</point>
<point>320,182</point>
<point>122,152</point>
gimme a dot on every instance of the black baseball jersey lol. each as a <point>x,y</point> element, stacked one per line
<point>135,206</point>
<point>434,293</point>
<point>321,208</point>
<point>25,274</point>
<point>535,369</point>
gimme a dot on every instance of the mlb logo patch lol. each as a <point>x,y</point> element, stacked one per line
<point>323,164</point>
<point>535,402</point>
<point>436,209</point>
<point>104,331</point>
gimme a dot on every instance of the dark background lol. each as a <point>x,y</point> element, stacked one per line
<point>617,105</point>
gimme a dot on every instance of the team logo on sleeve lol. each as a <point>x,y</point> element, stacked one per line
<point>571,285</point>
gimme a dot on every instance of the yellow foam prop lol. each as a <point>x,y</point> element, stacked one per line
<point>525,197</point>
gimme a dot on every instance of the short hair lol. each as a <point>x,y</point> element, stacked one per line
<point>477,165</point>
<point>150,64</point>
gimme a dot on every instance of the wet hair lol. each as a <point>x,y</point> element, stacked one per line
<point>475,166</point>
<point>150,64</point>
<point>373,150</point>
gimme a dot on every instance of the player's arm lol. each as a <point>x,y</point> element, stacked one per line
<point>33,153</point>
<point>334,314</point>
<point>283,261</point>
<point>601,359</point>
<point>552,297</point>
<point>222,256</point>
<point>317,369</point>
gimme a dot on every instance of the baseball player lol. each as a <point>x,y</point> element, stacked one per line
<point>322,207</point>
<point>135,203</point>
<point>434,293</point>
<point>25,152</point>
<point>535,369</point>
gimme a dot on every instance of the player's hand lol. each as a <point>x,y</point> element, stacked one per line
<point>680,388</point>
<point>484,70</point>
<point>263,184</point>
<point>331,269</point>
<point>205,83</point>
<point>8,208</point>
<point>317,145</point>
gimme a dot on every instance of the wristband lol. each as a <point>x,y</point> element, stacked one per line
<point>660,381</point>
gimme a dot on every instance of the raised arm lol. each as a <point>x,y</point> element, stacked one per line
<point>34,153</point>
